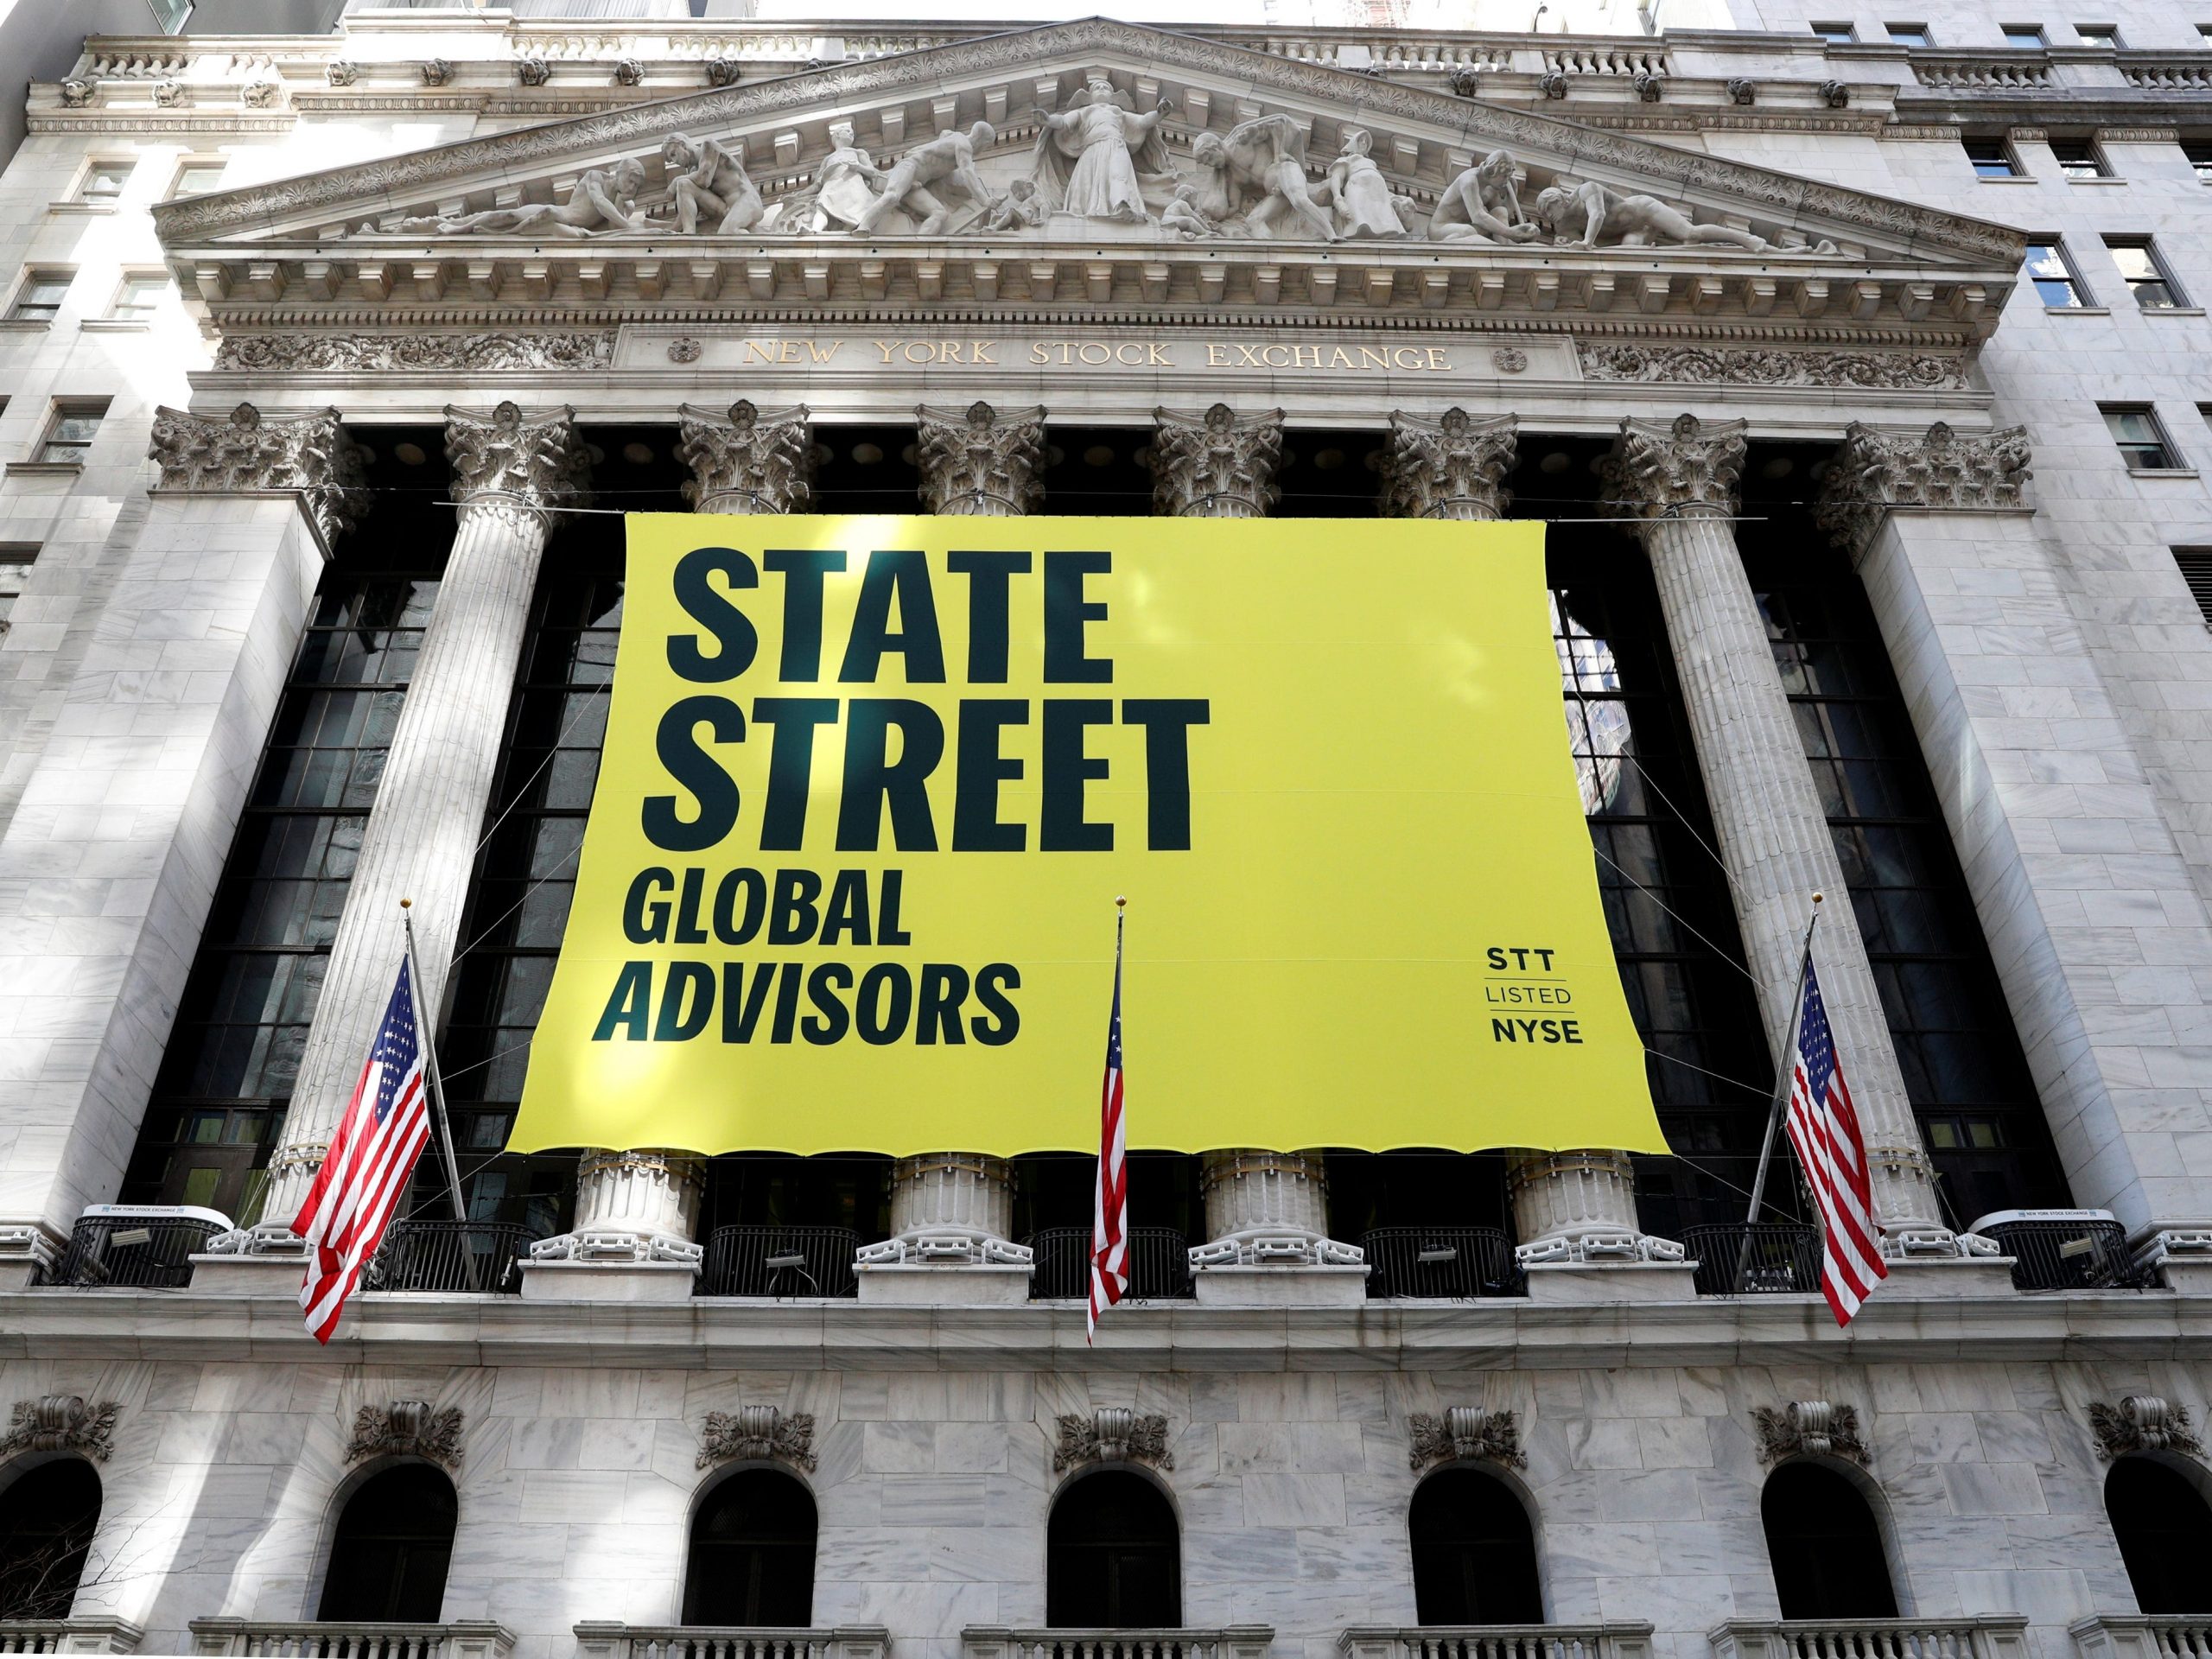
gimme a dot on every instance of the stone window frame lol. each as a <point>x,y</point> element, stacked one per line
<point>55,448</point>
<point>2024,37</point>
<point>140,312</point>
<point>2083,300</point>
<point>2100,34</point>
<point>1836,34</point>
<point>1910,34</point>
<point>95,167</point>
<point>2074,156</point>
<point>2006,153</point>
<point>25,310</point>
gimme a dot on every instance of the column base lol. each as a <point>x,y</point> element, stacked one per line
<point>1280,1284</point>
<point>558,1280</point>
<point>944,1284</point>
<point>235,1274</point>
<point>1275,1247</point>
<point>2179,1251</point>
<point>1612,1281</point>
<point>618,1247</point>
<point>26,1250</point>
<point>266,1238</point>
<point>1599,1246</point>
<point>947,1247</point>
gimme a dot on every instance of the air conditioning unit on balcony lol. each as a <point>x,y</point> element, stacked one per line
<point>2064,1249</point>
<point>136,1245</point>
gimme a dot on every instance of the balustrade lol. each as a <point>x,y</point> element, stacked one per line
<point>1986,1636</point>
<point>240,1638</point>
<point>1606,1641</point>
<point>616,1641</point>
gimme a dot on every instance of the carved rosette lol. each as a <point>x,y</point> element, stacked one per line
<point>407,1429</point>
<point>62,1422</point>
<point>1112,1434</point>
<point>758,1433</point>
<point>504,458</point>
<point>1669,470</point>
<point>981,462</point>
<point>2141,1422</point>
<point>1464,1434</point>
<point>746,460</point>
<point>1453,467</point>
<point>1876,471</point>
<point>1217,465</point>
<point>1809,1428</point>
<point>246,453</point>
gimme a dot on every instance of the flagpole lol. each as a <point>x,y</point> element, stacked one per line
<point>1785,1070</point>
<point>437,1091</point>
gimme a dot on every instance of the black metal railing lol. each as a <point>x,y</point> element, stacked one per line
<point>1754,1259</point>
<point>1443,1262</point>
<point>2055,1253</point>
<point>427,1255</point>
<point>780,1262</point>
<point>149,1251</point>
<point>1160,1263</point>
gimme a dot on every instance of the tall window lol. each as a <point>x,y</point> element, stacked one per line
<point>2052,272</point>
<point>2164,1530</point>
<point>1825,1546</point>
<point>39,299</point>
<point>752,1559</point>
<point>47,1516</point>
<point>1112,1555</point>
<point>393,1543</point>
<point>104,181</point>
<point>1474,1552</point>
<point>2142,441</point>
<point>226,1076</point>
<point>2144,272</point>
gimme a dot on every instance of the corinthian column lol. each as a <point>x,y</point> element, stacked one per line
<point>1577,1206</point>
<point>1263,1207</point>
<point>955,1209</point>
<point>1675,486</point>
<point>511,475</point>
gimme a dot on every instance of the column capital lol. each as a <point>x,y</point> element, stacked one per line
<point>980,462</point>
<point>1667,469</point>
<point>245,452</point>
<point>502,455</point>
<point>1877,469</point>
<point>1452,466</point>
<point>747,460</point>
<point>1215,465</point>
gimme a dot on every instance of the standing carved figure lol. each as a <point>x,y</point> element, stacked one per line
<point>707,176</point>
<point>1637,220</point>
<point>1263,159</point>
<point>1092,151</point>
<point>1358,192</point>
<point>844,186</point>
<point>1482,202</point>
<point>947,162</point>
<point>604,200</point>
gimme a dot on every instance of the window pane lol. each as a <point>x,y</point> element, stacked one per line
<point>197,178</point>
<point>104,182</point>
<point>2047,268</point>
<point>1910,34</point>
<point>2015,35</point>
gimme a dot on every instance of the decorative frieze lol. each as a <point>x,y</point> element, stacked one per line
<point>758,1433</point>
<point>426,353</point>
<point>746,461</point>
<point>2142,1422</point>
<point>981,463</point>
<point>1217,465</point>
<point>1112,1434</point>
<point>246,453</point>
<point>1774,366</point>
<point>1876,471</point>
<point>407,1429</point>
<point>1452,466</point>
<point>1465,1434</point>
<point>62,1422</point>
<point>1809,1428</point>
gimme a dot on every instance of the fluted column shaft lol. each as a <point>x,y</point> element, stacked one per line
<point>1678,485</point>
<point>421,840</point>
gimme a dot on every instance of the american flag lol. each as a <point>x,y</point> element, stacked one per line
<point>1110,1223</point>
<point>365,1173</point>
<point>1824,1128</point>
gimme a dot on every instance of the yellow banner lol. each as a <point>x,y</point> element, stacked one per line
<point>871,786</point>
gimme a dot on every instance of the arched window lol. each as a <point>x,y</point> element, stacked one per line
<point>2164,1529</point>
<point>752,1558</point>
<point>47,1515</point>
<point>389,1555</point>
<point>1112,1555</point>
<point>1825,1546</point>
<point>1474,1555</point>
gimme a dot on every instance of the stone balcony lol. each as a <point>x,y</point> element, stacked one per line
<point>81,1633</point>
<point>2143,1636</point>
<point>1613,1640</point>
<point>1231,1642</point>
<point>243,1638</point>
<point>1984,1636</point>
<point>615,1641</point>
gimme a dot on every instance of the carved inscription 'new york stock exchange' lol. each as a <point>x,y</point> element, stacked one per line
<point>864,351</point>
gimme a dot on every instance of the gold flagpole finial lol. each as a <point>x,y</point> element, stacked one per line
<point>1120,903</point>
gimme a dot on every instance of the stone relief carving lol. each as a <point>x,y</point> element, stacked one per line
<point>437,71</point>
<point>746,460</point>
<point>340,73</point>
<point>1464,1433</point>
<point>1657,469</point>
<point>171,94</point>
<point>1752,365</point>
<point>843,190</point>
<point>1358,193</point>
<point>605,199</point>
<point>309,454</point>
<point>77,93</point>
<point>947,164</point>
<point>1464,82</point>
<point>1020,209</point>
<point>981,463</point>
<point>1087,156</point>
<point>1742,90</point>
<point>1510,359</point>
<point>1649,87</point>
<point>541,462</point>
<point>1453,467</point>
<point>62,1422</point>
<point>1835,94</point>
<point>629,71</point>
<point>1809,1428</point>
<point>1629,221</point>
<point>429,353</point>
<point>1112,1434</point>
<point>1875,470</point>
<point>407,1429</point>
<point>1217,465</point>
<point>1483,202</point>
<point>1551,83</point>
<point>684,349</point>
<point>705,178</point>
<point>2141,1422</point>
<point>721,72</point>
<point>533,72</point>
<point>757,1433</point>
<point>262,94</point>
<point>1253,179</point>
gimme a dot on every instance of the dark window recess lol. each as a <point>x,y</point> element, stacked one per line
<point>389,1556</point>
<point>2141,441</point>
<point>1991,158</point>
<point>2078,158</point>
<point>47,1516</point>
<point>2199,152</point>
<point>1113,1556</point>
<point>226,1076</point>
<point>1964,1070</point>
<point>752,1560</point>
<point>1825,1546</point>
<point>2195,566</point>
<point>1369,1190</point>
<point>1474,1552</point>
<point>1055,1189</point>
<point>2164,1530</point>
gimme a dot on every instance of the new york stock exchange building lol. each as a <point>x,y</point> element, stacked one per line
<point>685,518</point>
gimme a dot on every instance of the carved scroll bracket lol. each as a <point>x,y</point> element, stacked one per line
<point>2142,1422</point>
<point>754,1433</point>
<point>1112,1434</point>
<point>62,1422</point>
<point>407,1429</point>
<point>1809,1428</point>
<point>1465,1434</point>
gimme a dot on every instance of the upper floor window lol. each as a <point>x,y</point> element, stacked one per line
<point>394,1541</point>
<point>71,432</point>
<point>1910,34</point>
<point>2078,158</point>
<point>39,299</point>
<point>2049,269</point>
<point>1474,1552</point>
<point>2143,442</point>
<point>47,1516</point>
<point>2163,1528</point>
<point>2199,152</point>
<point>2025,36</point>
<point>1112,1555</point>
<point>1991,158</point>
<point>170,16</point>
<point>137,296</point>
<point>1825,1546</point>
<point>2194,564</point>
<point>104,181</point>
<point>2144,272</point>
<point>1836,34</point>
<point>752,1559</point>
<point>196,178</point>
<point>2098,34</point>
<point>15,560</point>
